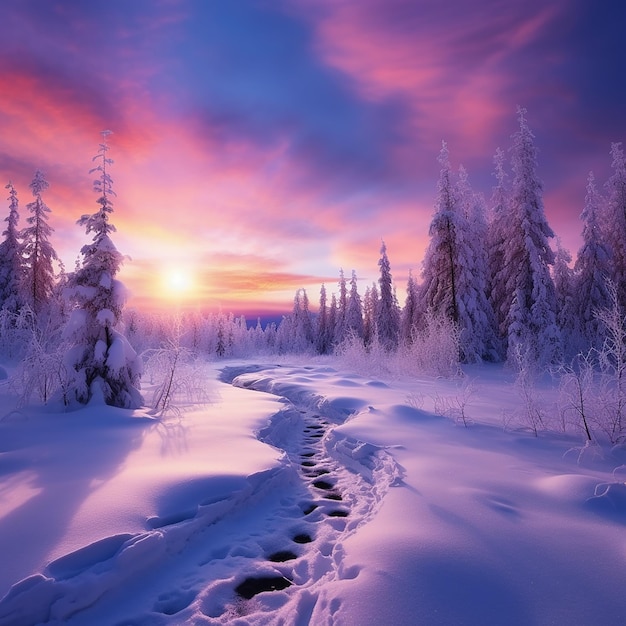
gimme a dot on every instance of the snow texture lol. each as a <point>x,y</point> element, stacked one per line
<point>357,501</point>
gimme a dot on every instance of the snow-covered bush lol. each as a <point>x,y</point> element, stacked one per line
<point>370,360</point>
<point>41,373</point>
<point>174,372</point>
<point>434,351</point>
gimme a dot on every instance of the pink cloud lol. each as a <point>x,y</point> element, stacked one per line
<point>451,73</point>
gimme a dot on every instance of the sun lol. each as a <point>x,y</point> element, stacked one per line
<point>178,281</point>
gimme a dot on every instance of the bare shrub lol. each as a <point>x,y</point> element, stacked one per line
<point>532,414</point>
<point>577,393</point>
<point>612,366</point>
<point>455,407</point>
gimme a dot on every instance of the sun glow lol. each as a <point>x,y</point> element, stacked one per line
<point>178,282</point>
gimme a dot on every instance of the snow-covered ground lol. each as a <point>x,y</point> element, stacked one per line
<point>304,494</point>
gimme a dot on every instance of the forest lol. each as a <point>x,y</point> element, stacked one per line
<point>491,289</point>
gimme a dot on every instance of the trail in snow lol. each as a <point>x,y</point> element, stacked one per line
<point>259,556</point>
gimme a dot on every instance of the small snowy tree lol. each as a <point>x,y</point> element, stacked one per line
<point>388,313</point>
<point>564,290</point>
<point>342,307</point>
<point>323,331</point>
<point>591,293</point>
<point>332,319</point>
<point>103,363</point>
<point>11,261</point>
<point>37,249</point>
<point>615,221</point>
<point>370,314</point>
<point>354,311</point>
<point>410,312</point>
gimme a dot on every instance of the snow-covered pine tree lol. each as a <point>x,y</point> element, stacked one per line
<point>296,330</point>
<point>497,243</point>
<point>369,316</point>
<point>440,266</point>
<point>388,314</point>
<point>323,333</point>
<point>342,307</point>
<point>477,323</point>
<point>455,270</point>
<point>592,271</point>
<point>305,323</point>
<point>354,310</point>
<point>615,221</point>
<point>530,300</point>
<point>11,261</point>
<point>37,249</point>
<point>411,312</point>
<point>563,277</point>
<point>104,365</point>
<point>332,320</point>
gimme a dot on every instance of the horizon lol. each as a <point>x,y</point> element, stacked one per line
<point>259,149</point>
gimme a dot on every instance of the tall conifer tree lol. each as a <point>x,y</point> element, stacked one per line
<point>103,362</point>
<point>615,221</point>
<point>593,269</point>
<point>11,261</point>
<point>530,302</point>
<point>39,254</point>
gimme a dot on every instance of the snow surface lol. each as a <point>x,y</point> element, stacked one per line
<point>353,497</point>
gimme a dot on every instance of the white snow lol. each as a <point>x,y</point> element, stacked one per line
<point>375,508</point>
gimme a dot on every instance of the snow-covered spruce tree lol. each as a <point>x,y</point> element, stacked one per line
<point>615,221</point>
<point>411,314</point>
<point>354,310</point>
<point>440,266</point>
<point>530,301</point>
<point>370,314</point>
<point>104,366</point>
<point>563,277</point>
<point>11,261</point>
<point>342,307</point>
<point>388,313</point>
<point>477,323</point>
<point>332,321</point>
<point>592,271</point>
<point>323,332</point>
<point>454,272</point>
<point>497,242</point>
<point>37,249</point>
<point>295,333</point>
<point>303,340</point>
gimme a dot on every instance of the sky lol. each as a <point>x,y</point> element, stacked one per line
<point>261,146</point>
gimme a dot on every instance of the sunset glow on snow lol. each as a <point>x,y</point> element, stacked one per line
<point>261,147</point>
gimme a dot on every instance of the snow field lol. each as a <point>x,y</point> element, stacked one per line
<point>355,503</point>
